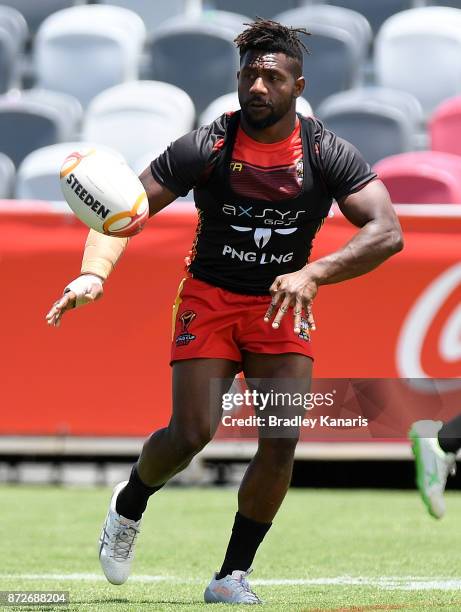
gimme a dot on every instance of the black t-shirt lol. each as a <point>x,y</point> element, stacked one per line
<point>244,241</point>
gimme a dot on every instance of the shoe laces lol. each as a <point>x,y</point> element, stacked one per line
<point>244,587</point>
<point>124,540</point>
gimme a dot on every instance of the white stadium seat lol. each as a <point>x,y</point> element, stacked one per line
<point>230,102</point>
<point>137,117</point>
<point>151,12</point>
<point>38,175</point>
<point>419,51</point>
<point>86,49</point>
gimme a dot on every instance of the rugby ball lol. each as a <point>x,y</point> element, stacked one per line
<point>104,192</point>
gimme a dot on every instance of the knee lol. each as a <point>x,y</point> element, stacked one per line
<point>189,443</point>
<point>278,450</point>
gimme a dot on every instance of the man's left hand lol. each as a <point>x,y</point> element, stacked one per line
<point>295,290</point>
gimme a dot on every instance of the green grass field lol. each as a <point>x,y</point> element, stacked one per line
<point>327,550</point>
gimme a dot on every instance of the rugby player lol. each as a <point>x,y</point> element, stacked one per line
<point>264,179</point>
<point>434,445</point>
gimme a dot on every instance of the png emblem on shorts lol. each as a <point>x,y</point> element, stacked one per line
<point>185,336</point>
<point>304,333</point>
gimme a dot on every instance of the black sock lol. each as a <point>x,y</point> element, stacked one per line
<point>132,500</point>
<point>247,535</point>
<point>450,435</point>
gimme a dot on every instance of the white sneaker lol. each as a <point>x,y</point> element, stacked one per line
<point>232,589</point>
<point>117,541</point>
<point>432,465</point>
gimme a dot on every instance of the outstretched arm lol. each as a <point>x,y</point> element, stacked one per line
<point>100,255</point>
<point>379,237</point>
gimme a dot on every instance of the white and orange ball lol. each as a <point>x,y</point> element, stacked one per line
<point>104,192</point>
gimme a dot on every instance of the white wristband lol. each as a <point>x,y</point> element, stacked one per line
<point>82,286</point>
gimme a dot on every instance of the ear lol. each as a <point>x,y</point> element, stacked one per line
<point>300,83</point>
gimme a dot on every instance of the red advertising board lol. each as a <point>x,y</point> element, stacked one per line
<point>106,372</point>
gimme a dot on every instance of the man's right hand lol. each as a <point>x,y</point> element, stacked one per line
<point>84,289</point>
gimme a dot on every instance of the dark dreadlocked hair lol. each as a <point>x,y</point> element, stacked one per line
<point>268,35</point>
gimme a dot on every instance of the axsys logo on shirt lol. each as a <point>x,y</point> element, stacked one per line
<point>281,222</point>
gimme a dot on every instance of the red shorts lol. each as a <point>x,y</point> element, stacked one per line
<point>216,323</point>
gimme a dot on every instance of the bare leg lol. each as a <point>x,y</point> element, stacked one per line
<point>268,476</point>
<point>194,420</point>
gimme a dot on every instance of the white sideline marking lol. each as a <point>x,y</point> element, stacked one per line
<point>388,583</point>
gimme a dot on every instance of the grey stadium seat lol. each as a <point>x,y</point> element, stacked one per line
<point>6,177</point>
<point>197,55</point>
<point>376,11</point>
<point>254,8</point>
<point>137,117</point>
<point>452,3</point>
<point>379,122</point>
<point>38,175</point>
<point>14,22</point>
<point>33,119</point>
<point>338,47</point>
<point>86,49</point>
<point>35,11</point>
<point>9,59</point>
<point>13,36</point>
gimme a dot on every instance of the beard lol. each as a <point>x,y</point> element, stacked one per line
<point>272,117</point>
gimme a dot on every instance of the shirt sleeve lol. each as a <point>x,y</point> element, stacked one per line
<point>344,168</point>
<point>180,167</point>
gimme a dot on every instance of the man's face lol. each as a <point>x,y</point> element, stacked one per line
<point>267,87</point>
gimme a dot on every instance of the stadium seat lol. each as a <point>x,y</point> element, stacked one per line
<point>196,54</point>
<point>230,102</point>
<point>138,117</point>
<point>255,8</point>
<point>379,122</point>
<point>13,35</point>
<point>34,119</point>
<point>451,3</point>
<point>376,11</point>
<point>445,127</point>
<point>339,46</point>
<point>152,13</point>
<point>13,22</point>
<point>6,176</point>
<point>38,175</point>
<point>419,51</point>
<point>86,49</point>
<point>35,11</point>
<point>424,177</point>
